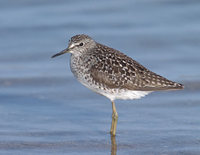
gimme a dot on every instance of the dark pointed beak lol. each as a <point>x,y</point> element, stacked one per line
<point>60,53</point>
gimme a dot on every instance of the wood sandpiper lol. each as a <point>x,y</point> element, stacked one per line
<point>111,73</point>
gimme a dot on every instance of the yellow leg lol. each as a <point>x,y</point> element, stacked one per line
<point>114,120</point>
<point>113,145</point>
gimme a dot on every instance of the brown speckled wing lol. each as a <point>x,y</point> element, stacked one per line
<point>113,69</point>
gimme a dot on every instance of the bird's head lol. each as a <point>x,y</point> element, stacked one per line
<point>78,44</point>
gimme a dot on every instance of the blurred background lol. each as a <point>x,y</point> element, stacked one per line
<point>44,110</point>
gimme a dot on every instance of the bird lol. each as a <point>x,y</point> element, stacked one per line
<point>111,73</point>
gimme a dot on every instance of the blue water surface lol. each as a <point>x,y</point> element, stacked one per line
<point>44,110</point>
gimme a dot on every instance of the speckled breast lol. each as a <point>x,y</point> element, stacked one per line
<point>80,66</point>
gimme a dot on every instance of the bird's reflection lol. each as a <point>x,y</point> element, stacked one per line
<point>113,145</point>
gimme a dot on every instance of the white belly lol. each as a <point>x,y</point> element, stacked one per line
<point>114,94</point>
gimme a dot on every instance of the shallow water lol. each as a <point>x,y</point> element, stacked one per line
<point>44,110</point>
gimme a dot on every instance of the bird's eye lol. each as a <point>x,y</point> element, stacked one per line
<point>81,44</point>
